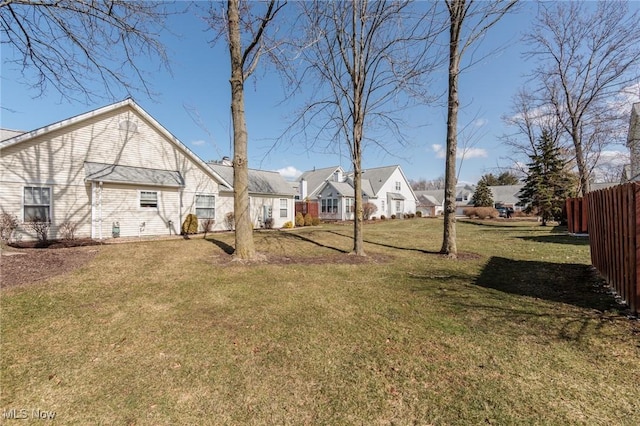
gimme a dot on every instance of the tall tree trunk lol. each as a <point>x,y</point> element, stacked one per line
<point>449,236</point>
<point>581,162</point>
<point>244,227</point>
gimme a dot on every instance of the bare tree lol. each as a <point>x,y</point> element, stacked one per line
<point>247,23</point>
<point>529,119</point>
<point>586,55</point>
<point>80,48</point>
<point>361,57</point>
<point>469,20</point>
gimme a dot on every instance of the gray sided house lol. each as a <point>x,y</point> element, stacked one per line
<point>633,143</point>
<point>113,171</point>
<point>270,195</point>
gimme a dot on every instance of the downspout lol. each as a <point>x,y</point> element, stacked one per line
<point>93,210</point>
<point>100,211</point>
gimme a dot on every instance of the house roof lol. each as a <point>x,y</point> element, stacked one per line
<point>505,194</point>
<point>130,103</point>
<point>435,196</point>
<point>260,181</point>
<point>112,173</point>
<point>8,133</point>
<point>316,178</point>
<point>396,196</point>
<point>343,189</point>
<point>378,176</point>
<point>428,200</point>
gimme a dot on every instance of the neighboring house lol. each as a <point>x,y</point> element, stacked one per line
<point>430,202</point>
<point>633,143</point>
<point>270,195</point>
<point>114,171</point>
<point>311,182</point>
<point>506,196</point>
<point>385,187</point>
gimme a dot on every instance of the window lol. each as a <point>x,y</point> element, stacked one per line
<point>382,206</point>
<point>398,186</point>
<point>149,199</point>
<point>37,204</point>
<point>330,205</point>
<point>398,209</point>
<point>283,207</point>
<point>206,206</point>
<point>348,202</point>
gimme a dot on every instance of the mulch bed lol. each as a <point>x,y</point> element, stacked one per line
<point>29,262</point>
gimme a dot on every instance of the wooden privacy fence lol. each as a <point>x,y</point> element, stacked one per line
<point>576,210</point>
<point>614,237</point>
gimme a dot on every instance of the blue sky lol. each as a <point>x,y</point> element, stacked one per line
<point>199,87</point>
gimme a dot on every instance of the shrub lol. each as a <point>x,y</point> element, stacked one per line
<point>230,221</point>
<point>190,225</point>
<point>374,218</point>
<point>419,213</point>
<point>268,223</point>
<point>41,229</point>
<point>8,224</point>
<point>481,212</point>
<point>393,216</point>
<point>207,225</point>
<point>68,230</point>
<point>315,221</point>
<point>383,217</point>
<point>299,219</point>
<point>368,210</point>
<point>288,225</point>
<point>308,219</point>
<point>487,212</point>
<point>469,212</point>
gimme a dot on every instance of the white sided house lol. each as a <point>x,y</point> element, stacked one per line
<point>112,172</point>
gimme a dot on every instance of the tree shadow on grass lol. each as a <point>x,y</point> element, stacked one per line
<point>224,246</point>
<point>575,284</point>
<point>294,235</point>
<point>558,239</point>
<point>388,245</point>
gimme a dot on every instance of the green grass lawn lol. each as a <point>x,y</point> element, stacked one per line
<point>518,331</point>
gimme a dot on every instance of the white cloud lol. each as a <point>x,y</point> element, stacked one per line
<point>199,142</point>
<point>473,153</point>
<point>468,153</point>
<point>289,172</point>
<point>480,122</point>
<point>439,150</point>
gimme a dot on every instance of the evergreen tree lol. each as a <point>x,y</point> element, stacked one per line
<point>482,197</point>
<point>548,183</point>
<point>505,178</point>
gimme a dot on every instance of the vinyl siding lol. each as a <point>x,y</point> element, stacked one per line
<point>56,159</point>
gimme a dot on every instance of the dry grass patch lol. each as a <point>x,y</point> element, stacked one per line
<point>171,333</point>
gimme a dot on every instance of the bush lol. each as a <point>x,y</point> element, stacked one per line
<point>230,221</point>
<point>288,225</point>
<point>68,230</point>
<point>315,221</point>
<point>383,217</point>
<point>207,225</point>
<point>419,213</point>
<point>393,216</point>
<point>190,225</point>
<point>41,229</point>
<point>8,224</point>
<point>268,223</point>
<point>481,212</point>
<point>368,209</point>
<point>374,218</point>
<point>308,219</point>
<point>299,219</point>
